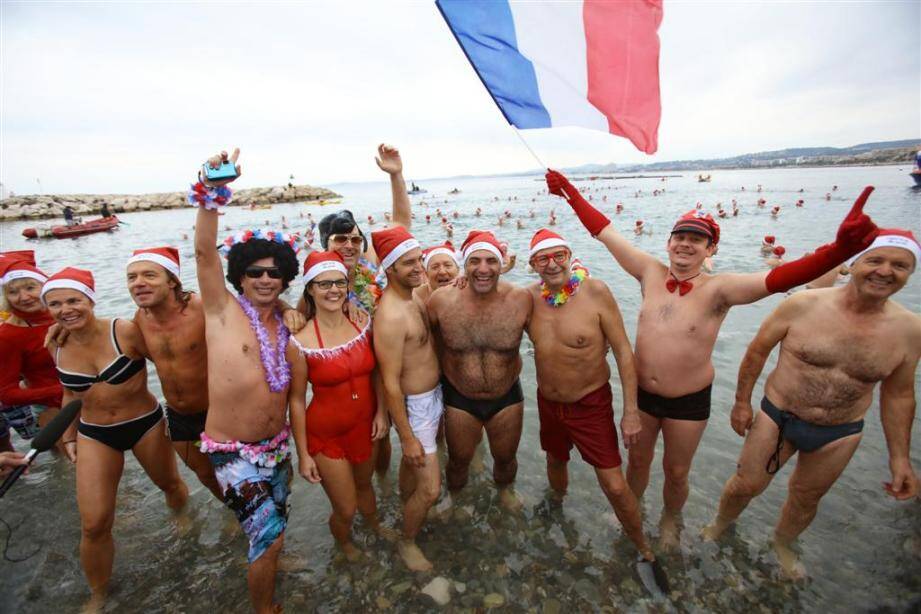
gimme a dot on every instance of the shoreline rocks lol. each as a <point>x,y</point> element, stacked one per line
<point>37,206</point>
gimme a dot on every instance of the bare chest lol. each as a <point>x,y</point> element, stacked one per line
<point>565,328</point>
<point>181,341</point>
<point>498,328</point>
<point>696,315</point>
<point>860,355</point>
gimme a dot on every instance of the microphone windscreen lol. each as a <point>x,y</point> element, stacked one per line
<point>54,429</point>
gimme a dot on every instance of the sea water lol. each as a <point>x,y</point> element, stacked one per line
<point>863,551</point>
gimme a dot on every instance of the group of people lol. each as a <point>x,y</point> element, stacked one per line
<point>387,332</point>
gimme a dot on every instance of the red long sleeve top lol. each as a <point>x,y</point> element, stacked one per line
<point>23,357</point>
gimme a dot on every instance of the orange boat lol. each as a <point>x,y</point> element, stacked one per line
<point>63,232</point>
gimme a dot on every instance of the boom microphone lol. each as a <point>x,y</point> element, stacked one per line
<point>45,440</point>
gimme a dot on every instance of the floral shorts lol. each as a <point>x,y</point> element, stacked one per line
<point>23,418</point>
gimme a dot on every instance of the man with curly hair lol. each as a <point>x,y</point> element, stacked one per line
<point>246,431</point>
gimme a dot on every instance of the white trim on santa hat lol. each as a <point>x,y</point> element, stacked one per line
<point>437,251</point>
<point>547,244</point>
<point>22,274</point>
<point>167,263</point>
<point>69,284</point>
<point>323,267</point>
<point>478,245</point>
<point>892,240</point>
<point>397,252</point>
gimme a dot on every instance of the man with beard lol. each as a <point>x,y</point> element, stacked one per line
<point>479,329</point>
<point>836,344</point>
<point>409,372</point>
<point>680,317</point>
<point>246,432</point>
<point>574,320</point>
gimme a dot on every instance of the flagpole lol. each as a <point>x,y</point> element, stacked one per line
<point>525,143</point>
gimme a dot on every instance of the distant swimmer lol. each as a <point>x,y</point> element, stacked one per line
<point>767,245</point>
<point>681,312</point>
<point>638,227</point>
<point>817,397</point>
<point>478,212</point>
<point>410,377</point>
<point>619,208</point>
<point>479,330</point>
<point>762,202</point>
<point>775,258</point>
<point>371,220</point>
<point>775,211</point>
<point>828,196</point>
<point>519,224</point>
<point>575,319</point>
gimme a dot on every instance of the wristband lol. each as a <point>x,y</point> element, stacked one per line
<point>209,198</point>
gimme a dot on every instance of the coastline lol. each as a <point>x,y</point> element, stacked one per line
<point>41,206</point>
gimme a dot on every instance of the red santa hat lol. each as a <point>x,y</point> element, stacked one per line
<point>72,279</point>
<point>445,249</point>
<point>392,243</point>
<point>769,239</point>
<point>479,240</point>
<point>779,251</point>
<point>699,222</point>
<point>545,239</point>
<point>639,223</point>
<point>19,265</point>
<point>894,237</point>
<point>167,257</point>
<point>321,262</point>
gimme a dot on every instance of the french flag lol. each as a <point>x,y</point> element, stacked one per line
<point>593,63</point>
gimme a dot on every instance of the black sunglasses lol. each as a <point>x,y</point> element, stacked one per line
<point>255,272</point>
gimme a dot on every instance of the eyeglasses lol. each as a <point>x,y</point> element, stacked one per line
<point>255,272</point>
<point>355,240</point>
<point>326,284</point>
<point>558,257</point>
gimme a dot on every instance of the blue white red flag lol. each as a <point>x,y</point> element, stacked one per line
<point>589,63</point>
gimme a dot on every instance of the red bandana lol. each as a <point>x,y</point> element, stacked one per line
<point>683,285</point>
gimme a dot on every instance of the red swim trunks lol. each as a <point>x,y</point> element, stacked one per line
<point>588,423</point>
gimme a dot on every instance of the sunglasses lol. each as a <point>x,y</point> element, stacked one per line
<point>255,272</point>
<point>326,284</point>
<point>355,240</point>
<point>558,257</point>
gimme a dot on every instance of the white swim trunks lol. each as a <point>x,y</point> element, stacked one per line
<point>424,411</point>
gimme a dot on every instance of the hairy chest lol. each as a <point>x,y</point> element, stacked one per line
<point>863,357</point>
<point>493,329</point>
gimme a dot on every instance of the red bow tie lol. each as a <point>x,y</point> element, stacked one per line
<point>683,285</point>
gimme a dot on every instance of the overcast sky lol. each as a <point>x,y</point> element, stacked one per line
<point>131,96</point>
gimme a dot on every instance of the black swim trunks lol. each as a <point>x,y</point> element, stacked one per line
<point>185,427</point>
<point>694,406</point>
<point>481,409</point>
<point>805,436</point>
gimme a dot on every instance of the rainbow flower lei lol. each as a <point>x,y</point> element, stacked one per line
<point>208,197</point>
<point>291,240</point>
<point>572,286</point>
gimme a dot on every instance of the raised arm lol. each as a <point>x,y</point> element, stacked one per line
<point>612,323</point>
<point>388,160</point>
<point>389,340</point>
<point>210,271</point>
<point>772,331</point>
<point>897,412</point>
<point>855,234</point>
<point>632,259</point>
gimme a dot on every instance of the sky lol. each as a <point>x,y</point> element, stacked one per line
<point>130,97</point>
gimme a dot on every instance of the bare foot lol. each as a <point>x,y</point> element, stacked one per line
<point>387,533</point>
<point>413,557</point>
<point>669,534</point>
<point>95,604</point>
<point>351,552</point>
<point>789,561</point>
<point>714,530</point>
<point>510,500</point>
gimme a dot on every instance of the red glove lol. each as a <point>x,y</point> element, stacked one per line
<point>593,219</point>
<point>855,234</point>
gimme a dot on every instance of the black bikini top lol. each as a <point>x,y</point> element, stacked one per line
<point>119,371</point>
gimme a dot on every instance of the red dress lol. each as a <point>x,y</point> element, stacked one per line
<point>22,356</point>
<point>341,412</point>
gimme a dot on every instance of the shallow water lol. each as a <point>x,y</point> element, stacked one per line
<point>863,551</point>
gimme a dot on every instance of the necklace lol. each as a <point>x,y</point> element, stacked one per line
<point>277,370</point>
<point>558,298</point>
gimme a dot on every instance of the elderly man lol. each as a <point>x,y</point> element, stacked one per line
<point>478,329</point>
<point>680,317</point>
<point>836,344</point>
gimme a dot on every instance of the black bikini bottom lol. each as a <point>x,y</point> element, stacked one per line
<point>122,436</point>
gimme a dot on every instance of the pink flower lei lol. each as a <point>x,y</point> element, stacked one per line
<point>276,367</point>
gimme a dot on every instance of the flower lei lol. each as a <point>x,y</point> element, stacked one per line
<point>291,240</point>
<point>276,367</point>
<point>572,286</point>
<point>207,197</point>
<point>266,453</point>
<point>365,289</point>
